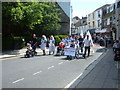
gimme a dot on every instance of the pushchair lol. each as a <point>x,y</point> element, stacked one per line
<point>60,49</point>
<point>30,51</point>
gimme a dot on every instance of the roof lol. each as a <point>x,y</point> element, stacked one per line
<point>103,6</point>
<point>76,17</point>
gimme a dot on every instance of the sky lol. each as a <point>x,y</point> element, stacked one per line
<point>84,7</point>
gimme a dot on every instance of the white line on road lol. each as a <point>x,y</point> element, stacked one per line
<point>37,72</point>
<point>18,80</point>
<point>73,81</point>
<point>60,63</point>
<point>50,67</point>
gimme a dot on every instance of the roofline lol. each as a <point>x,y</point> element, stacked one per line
<point>102,6</point>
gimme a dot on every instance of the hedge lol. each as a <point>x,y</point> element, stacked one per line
<point>10,43</point>
<point>7,43</point>
<point>57,40</point>
<point>61,36</point>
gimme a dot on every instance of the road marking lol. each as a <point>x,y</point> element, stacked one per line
<point>18,80</point>
<point>60,63</point>
<point>50,67</point>
<point>37,72</point>
<point>7,58</point>
<point>73,81</point>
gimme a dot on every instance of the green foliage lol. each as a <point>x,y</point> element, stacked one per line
<point>30,14</point>
<point>57,40</point>
<point>25,18</point>
<point>62,36</point>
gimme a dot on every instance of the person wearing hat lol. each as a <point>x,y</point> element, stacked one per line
<point>43,44</point>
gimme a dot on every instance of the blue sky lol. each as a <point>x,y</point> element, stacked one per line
<point>84,7</point>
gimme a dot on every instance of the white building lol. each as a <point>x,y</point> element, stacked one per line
<point>118,19</point>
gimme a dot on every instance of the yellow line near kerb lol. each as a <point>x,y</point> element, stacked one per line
<point>7,58</point>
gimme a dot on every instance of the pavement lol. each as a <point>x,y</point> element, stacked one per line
<point>105,74</point>
<point>20,52</point>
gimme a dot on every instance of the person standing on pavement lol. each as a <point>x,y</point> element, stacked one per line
<point>34,42</point>
<point>43,44</point>
<point>106,41</point>
<point>81,44</point>
<point>87,44</point>
<point>51,45</point>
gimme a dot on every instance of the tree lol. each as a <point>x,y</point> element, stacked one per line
<point>43,17</point>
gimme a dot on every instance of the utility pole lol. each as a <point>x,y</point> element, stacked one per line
<point>71,11</point>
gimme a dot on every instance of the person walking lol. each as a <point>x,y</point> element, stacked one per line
<point>43,44</point>
<point>34,42</point>
<point>87,44</point>
<point>51,45</point>
<point>81,44</point>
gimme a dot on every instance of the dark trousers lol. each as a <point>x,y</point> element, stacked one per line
<point>59,49</point>
<point>87,49</point>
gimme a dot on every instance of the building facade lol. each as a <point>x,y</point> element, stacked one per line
<point>117,20</point>
<point>65,17</point>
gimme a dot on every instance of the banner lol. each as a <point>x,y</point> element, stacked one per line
<point>69,51</point>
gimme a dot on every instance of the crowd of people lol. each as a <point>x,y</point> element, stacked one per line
<point>71,41</point>
<point>83,43</point>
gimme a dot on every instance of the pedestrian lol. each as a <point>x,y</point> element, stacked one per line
<point>51,45</point>
<point>87,44</point>
<point>69,39</point>
<point>43,44</point>
<point>102,42</point>
<point>34,42</point>
<point>115,45</point>
<point>64,40</point>
<point>81,44</point>
<point>72,44</point>
<point>106,41</point>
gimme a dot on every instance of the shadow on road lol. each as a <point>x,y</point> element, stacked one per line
<point>101,50</point>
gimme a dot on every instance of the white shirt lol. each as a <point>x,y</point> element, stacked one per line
<point>87,42</point>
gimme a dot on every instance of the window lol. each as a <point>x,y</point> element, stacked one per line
<point>118,4</point>
<point>98,23</point>
<point>93,24</point>
<point>98,13</point>
<point>93,15</point>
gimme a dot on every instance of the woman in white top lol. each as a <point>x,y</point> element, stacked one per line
<point>51,45</point>
<point>43,44</point>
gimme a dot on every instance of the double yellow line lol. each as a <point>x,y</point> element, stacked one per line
<point>7,58</point>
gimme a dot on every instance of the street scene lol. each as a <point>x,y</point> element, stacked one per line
<point>60,44</point>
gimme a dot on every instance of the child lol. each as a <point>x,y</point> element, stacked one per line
<point>72,44</point>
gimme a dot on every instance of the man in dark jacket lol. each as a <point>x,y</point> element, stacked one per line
<point>34,42</point>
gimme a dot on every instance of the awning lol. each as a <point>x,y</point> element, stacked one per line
<point>102,31</point>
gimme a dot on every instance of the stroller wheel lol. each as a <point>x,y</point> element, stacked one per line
<point>26,55</point>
